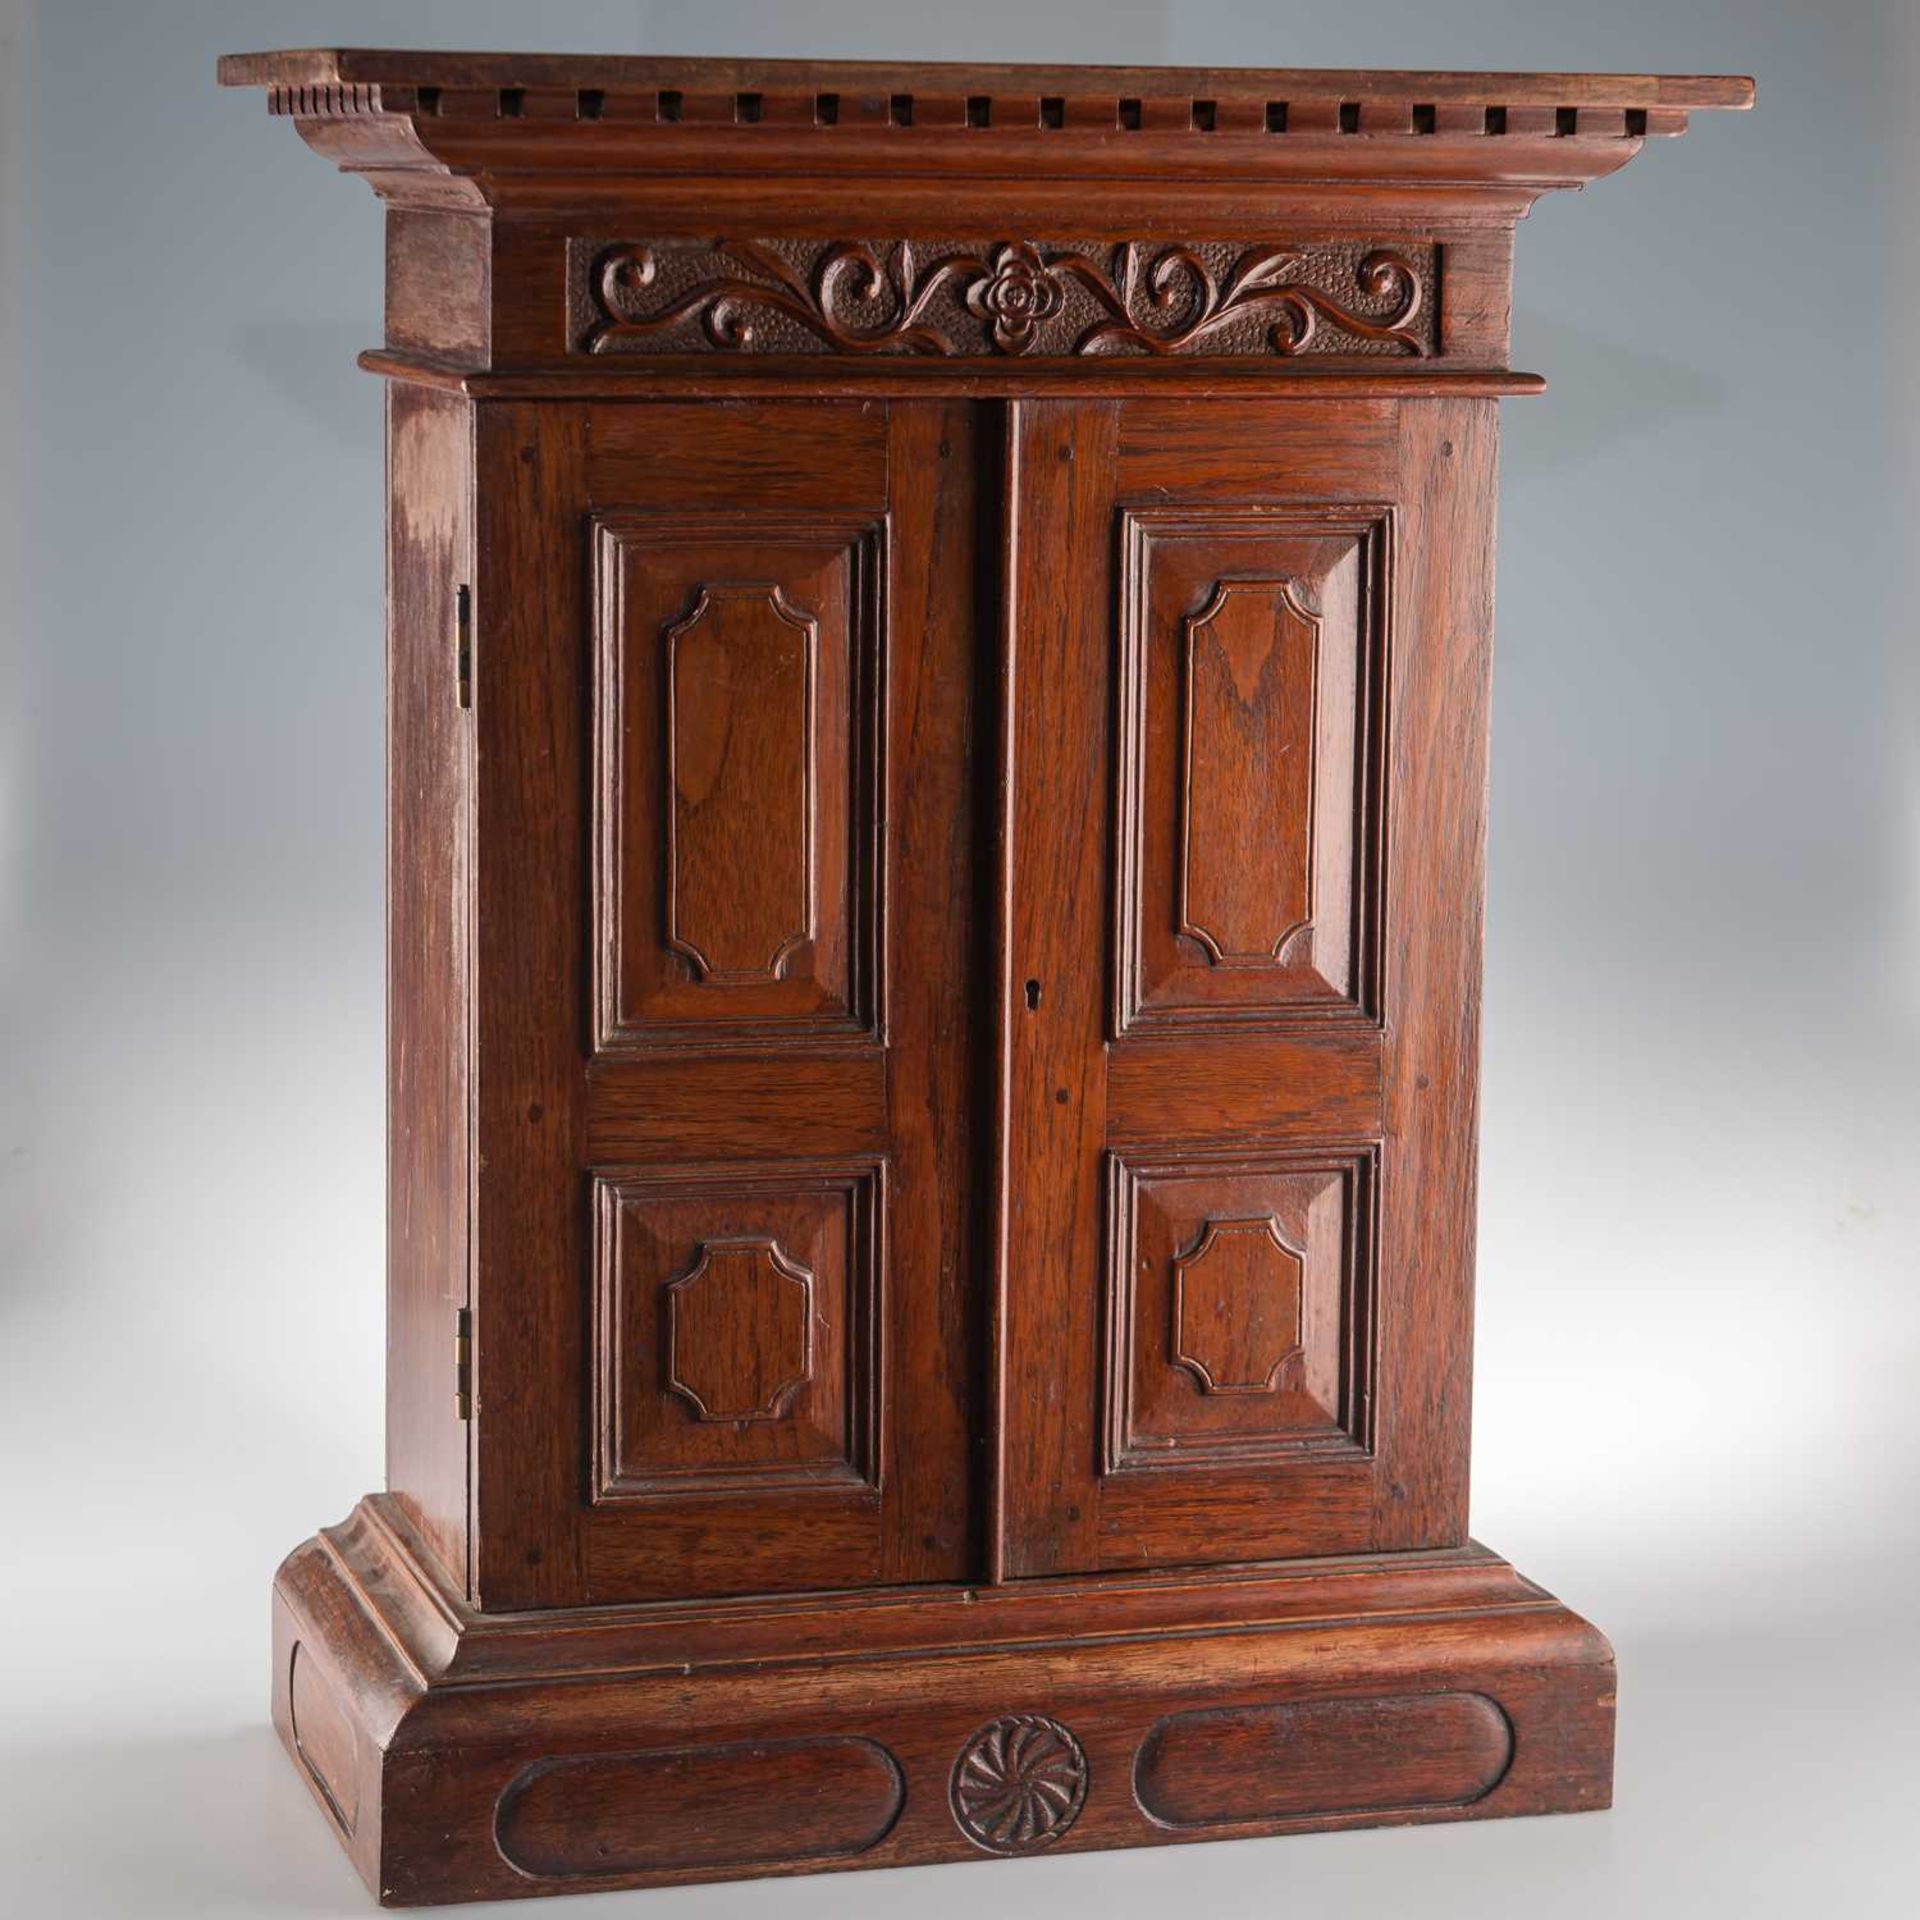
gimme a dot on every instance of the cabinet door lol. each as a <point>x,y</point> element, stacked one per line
<point>725,681</point>
<point>1242,865</point>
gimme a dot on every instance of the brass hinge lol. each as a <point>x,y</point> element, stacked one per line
<point>463,1363</point>
<point>463,645</point>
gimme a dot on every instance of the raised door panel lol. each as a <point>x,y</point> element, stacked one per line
<point>726,699</point>
<point>1251,655</point>
<point>1238,1309</point>
<point>1241,862</point>
<point>736,1330</point>
<point>737,698</point>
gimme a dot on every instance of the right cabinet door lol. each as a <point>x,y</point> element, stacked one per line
<point>1241,882</point>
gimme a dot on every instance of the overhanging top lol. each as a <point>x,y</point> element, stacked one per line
<point>875,84</point>
<point>492,117</point>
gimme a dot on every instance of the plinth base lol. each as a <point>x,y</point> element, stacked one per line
<point>463,1756</point>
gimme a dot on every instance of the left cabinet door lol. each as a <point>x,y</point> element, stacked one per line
<point>725,680</point>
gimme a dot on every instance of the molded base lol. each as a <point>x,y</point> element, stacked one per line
<point>466,1756</point>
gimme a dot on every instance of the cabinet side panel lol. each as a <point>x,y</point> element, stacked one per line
<point>429,785</point>
<point>1436,888</point>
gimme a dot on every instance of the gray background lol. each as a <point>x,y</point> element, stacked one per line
<point>1698,1328</point>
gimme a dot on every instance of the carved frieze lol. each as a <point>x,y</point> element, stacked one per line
<point>987,298</point>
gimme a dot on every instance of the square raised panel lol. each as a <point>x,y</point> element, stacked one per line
<point>738,706</point>
<point>736,1330</point>
<point>1253,656</point>
<point>1239,1307</point>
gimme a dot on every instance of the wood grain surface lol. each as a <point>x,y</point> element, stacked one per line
<point>939,638</point>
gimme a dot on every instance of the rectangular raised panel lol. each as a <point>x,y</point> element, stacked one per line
<point>737,705</point>
<point>736,1330</point>
<point>1239,1308</point>
<point>1252,681</point>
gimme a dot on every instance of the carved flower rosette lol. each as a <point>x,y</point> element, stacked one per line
<point>1015,295</point>
<point>1018,1783</point>
<point>964,299</point>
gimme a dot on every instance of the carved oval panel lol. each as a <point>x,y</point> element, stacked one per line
<point>684,1808</point>
<point>1237,1306</point>
<point>1246,849</point>
<point>740,802</point>
<point>1019,1783</point>
<point>1314,1759</point>
<point>740,1330</point>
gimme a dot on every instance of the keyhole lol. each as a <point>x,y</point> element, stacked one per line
<point>1033,996</point>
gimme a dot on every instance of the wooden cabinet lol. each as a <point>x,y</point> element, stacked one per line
<point>940,626</point>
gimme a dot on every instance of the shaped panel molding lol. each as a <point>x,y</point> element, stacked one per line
<point>740,779</point>
<point>1246,828</point>
<point>738,1805</point>
<point>1249,807</point>
<point>739,669</point>
<point>1240,1307</point>
<point>736,1329</point>
<point>1319,1759</point>
<point>740,1330</point>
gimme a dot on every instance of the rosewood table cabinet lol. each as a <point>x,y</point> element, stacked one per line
<point>939,637</point>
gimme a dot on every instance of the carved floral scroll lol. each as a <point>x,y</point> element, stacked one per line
<point>962,298</point>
